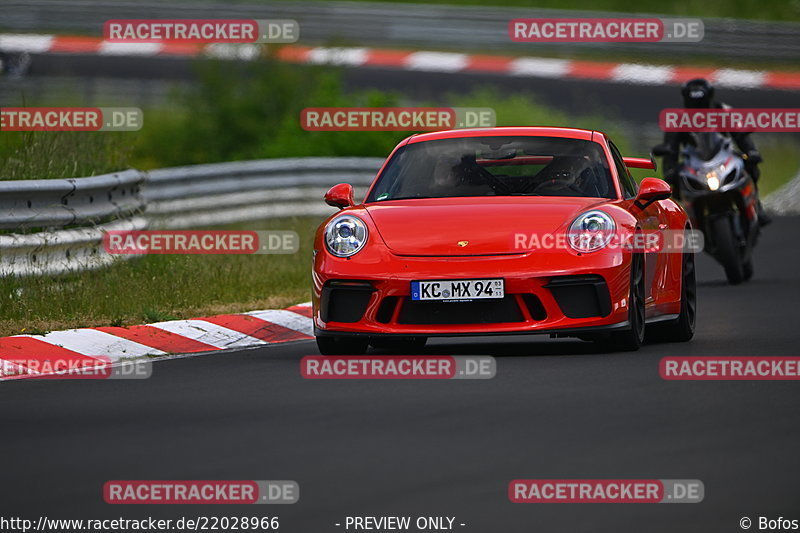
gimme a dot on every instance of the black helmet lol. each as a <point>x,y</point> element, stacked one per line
<point>697,93</point>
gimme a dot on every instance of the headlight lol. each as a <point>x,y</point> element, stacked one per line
<point>712,180</point>
<point>591,231</point>
<point>345,235</point>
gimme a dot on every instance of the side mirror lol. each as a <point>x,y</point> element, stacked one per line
<point>651,190</point>
<point>340,196</point>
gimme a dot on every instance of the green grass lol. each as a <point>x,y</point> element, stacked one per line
<point>781,162</point>
<point>52,155</point>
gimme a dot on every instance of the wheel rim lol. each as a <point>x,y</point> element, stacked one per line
<point>689,288</point>
<point>637,297</point>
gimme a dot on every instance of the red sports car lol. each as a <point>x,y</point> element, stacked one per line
<point>501,231</point>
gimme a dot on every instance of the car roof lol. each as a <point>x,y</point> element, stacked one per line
<point>532,131</point>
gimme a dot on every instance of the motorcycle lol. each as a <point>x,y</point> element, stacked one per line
<point>721,200</point>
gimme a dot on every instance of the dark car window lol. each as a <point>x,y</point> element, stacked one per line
<point>626,181</point>
<point>496,166</point>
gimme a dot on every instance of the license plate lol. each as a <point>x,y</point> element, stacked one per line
<point>457,289</point>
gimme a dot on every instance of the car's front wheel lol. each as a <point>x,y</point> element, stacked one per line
<point>342,345</point>
<point>630,339</point>
<point>682,328</point>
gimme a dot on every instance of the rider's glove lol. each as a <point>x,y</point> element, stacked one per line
<point>753,157</point>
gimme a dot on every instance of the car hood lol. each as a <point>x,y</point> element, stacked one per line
<point>472,226</point>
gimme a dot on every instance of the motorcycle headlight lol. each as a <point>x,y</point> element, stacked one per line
<point>345,235</point>
<point>591,231</point>
<point>712,180</point>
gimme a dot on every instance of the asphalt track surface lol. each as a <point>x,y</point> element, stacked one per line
<point>444,448</point>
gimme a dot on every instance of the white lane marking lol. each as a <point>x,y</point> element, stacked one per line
<point>208,333</point>
<point>35,44</point>
<point>539,67</point>
<point>728,77</point>
<point>94,343</point>
<point>643,74</point>
<point>286,319</point>
<point>337,56</point>
<point>437,61</point>
<point>129,49</point>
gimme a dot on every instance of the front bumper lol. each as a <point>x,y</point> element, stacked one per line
<point>544,293</point>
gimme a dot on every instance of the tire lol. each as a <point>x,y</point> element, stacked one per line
<point>399,345</point>
<point>342,345</point>
<point>728,250</point>
<point>631,339</point>
<point>682,328</point>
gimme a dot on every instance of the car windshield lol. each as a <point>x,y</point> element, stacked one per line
<point>495,166</point>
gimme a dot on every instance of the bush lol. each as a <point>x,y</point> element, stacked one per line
<point>251,111</point>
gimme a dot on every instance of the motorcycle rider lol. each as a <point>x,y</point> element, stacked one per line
<point>698,93</point>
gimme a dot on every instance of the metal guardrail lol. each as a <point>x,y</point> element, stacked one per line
<point>223,193</point>
<point>60,251</point>
<point>43,203</point>
<point>409,25</point>
<point>181,197</point>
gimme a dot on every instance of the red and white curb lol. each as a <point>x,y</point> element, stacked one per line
<point>113,344</point>
<point>536,67</point>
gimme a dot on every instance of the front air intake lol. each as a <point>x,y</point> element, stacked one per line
<point>581,296</point>
<point>345,301</point>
